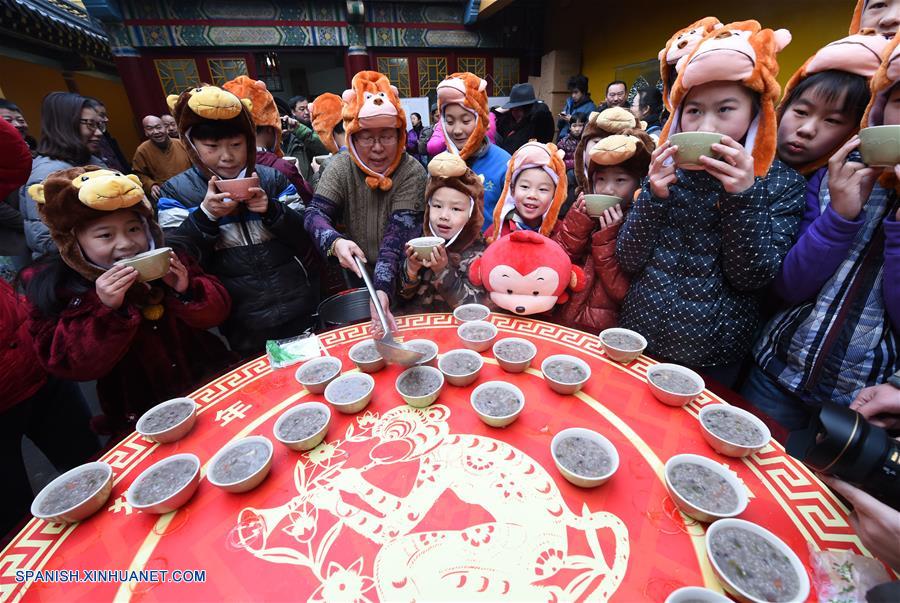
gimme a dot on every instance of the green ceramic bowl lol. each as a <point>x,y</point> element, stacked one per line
<point>597,204</point>
<point>880,145</point>
<point>692,146</point>
<point>424,246</point>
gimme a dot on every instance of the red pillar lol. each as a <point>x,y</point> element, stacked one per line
<point>356,62</point>
<point>144,91</point>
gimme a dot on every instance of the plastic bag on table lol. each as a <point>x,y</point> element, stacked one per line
<point>844,577</point>
<point>285,352</point>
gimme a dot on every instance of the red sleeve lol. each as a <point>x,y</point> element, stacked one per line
<point>573,234</point>
<point>87,340</point>
<point>606,267</point>
<point>205,304</point>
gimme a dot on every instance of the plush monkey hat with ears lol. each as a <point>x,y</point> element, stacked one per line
<point>374,103</point>
<point>470,92</point>
<point>630,150</point>
<point>212,104</point>
<point>263,109</point>
<point>325,113</point>
<point>744,53</point>
<point>883,83</point>
<point>682,43</point>
<point>614,120</point>
<point>69,199</point>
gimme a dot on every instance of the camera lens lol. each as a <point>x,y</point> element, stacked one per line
<point>840,442</point>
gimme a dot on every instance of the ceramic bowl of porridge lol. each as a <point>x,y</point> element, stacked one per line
<point>75,495</point>
<point>584,457</point>
<point>755,565</point>
<point>165,485</point>
<point>704,489</point>
<point>733,431</point>
<point>238,189</point>
<point>497,403</point>
<point>316,374</point>
<point>460,367</point>
<point>514,354</point>
<point>428,348</point>
<point>241,465</point>
<point>168,421</point>
<point>350,393</point>
<point>477,335</point>
<point>151,265</point>
<point>622,345</point>
<point>696,594</point>
<point>304,426</point>
<point>880,145</point>
<point>692,146</point>
<point>565,374</point>
<point>424,246</point>
<point>366,357</point>
<point>595,205</point>
<point>470,312</point>
<point>420,386</point>
<point>673,384</point>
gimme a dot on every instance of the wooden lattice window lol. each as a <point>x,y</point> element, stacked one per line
<point>224,70</point>
<point>432,71</point>
<point>397,70</point>
<point>506,75</point>
<point>476,65</point>
<point>177,75</point>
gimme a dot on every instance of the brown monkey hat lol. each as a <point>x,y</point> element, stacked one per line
<point>68,199</point>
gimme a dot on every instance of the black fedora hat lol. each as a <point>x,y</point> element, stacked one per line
<point>519,96</point>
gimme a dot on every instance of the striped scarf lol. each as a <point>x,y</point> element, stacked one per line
<point>831,347</point>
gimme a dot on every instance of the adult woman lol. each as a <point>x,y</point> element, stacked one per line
<point>71,130</point>
<point>463,105</point>
<point>413,136</point>
<point>647,106</point>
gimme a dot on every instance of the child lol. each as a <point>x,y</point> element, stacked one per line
<point>618,164</point>
<point>92,319</point>
<point>824,102</point>
<point>534,191</point>
<point>463,105</point>
<point>701,246</point>
<point>257,247</point>
<point>842,279</point>
<point>268,131</point>
<point>440,283</point>
<point>883,16</point>
<point>569,143</point>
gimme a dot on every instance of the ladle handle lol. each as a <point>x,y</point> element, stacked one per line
<point>372,295</point>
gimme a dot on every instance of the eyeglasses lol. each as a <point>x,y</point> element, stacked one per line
<point>368,141</point>
<point>92,124</point>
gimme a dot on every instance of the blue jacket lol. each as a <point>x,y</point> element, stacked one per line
<point>491,162</point>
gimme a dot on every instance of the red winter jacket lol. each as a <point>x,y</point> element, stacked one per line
<point>137,362</point>
<point>596,307</point>
<point>21,375</point>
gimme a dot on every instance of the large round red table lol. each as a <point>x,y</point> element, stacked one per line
<point>402,504</point>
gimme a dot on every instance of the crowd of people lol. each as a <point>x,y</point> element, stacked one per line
<point>771,267</point>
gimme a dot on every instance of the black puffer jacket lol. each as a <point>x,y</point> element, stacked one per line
<point>701,260</point>
<point>257,258</point>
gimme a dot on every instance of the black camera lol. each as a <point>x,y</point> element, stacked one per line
<point>840,442</point>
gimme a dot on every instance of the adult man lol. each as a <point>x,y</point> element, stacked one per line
<point>159,157</point>
<point>376,189</point>
<point>523,118</point>
<point>171,126</point>
<point>10,112</point>
<point>616,95</point>
<point>303,143</point>
<point>579,101</point>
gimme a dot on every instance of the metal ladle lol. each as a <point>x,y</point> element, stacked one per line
<point>390,349</point>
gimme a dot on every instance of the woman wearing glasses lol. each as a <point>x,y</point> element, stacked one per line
<point>70,137</point>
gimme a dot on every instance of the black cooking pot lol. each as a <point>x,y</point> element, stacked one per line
<point>344,308</point>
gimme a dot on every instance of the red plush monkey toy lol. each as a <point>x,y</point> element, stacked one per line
<point>526,273</point>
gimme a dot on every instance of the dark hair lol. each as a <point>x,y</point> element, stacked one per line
<point>578,82</point>
<point>94,103</point>
<point>579,118</point>
<point>830,86</point>
<point>9,105</point>
<point>216,130</point>
<point>339,128</point>
<point>47,277</point>
<point>614,82</point>
<point>296,99</point>
<point>652,99</point>
<point>61,128</point>
<point>416,114</point>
